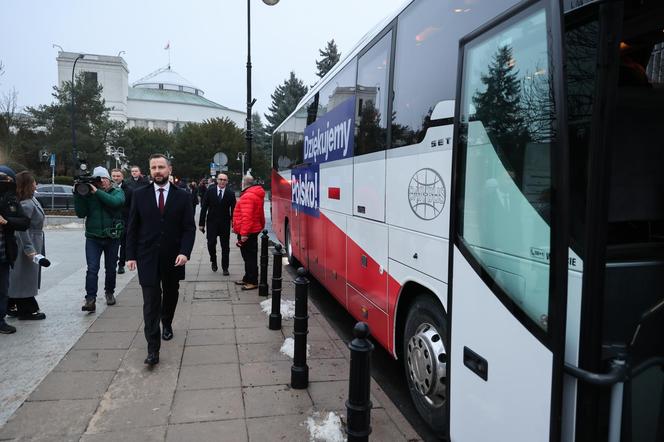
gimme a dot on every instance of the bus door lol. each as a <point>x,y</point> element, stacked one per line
<point>509,269</point>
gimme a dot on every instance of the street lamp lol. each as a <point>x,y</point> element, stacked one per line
<point>250,101</point>
<point>73,126</point>
<point>240,156</point>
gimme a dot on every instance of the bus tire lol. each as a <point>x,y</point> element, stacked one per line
<point>288,247</point>
<point>425,360</point>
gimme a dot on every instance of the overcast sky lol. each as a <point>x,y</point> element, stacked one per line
<point>208,40</point>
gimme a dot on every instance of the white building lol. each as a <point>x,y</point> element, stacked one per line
<point>161,100</point>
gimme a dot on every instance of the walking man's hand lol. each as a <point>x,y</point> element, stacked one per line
<point>180,260</point>
<point>201,228</point>
<point>131,265</point>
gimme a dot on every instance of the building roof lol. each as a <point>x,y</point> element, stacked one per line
<point>167,77</point>
<point>170,96</point>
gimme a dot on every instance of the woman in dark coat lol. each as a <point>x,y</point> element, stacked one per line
<point>25,277</point>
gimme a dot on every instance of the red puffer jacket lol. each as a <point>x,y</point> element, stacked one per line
<point>248,216</point>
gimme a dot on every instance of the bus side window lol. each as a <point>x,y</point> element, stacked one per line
<point>373,73</point>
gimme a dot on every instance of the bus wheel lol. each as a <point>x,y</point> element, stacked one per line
<point>425,360</point>
<point>289,247</point>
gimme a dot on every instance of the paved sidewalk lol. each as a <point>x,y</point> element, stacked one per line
<point>222,378</point>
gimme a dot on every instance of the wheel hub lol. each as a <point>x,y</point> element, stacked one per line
<point>427,363</point>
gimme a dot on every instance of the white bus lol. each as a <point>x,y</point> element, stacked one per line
<point>481,181</point>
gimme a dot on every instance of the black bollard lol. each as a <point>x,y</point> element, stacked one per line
<point>300,369</point>
<point>275,315</point>
<point>262,284</point>
<point>358,405</point>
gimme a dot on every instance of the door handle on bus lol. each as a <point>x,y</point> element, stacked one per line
<point>476,363</point>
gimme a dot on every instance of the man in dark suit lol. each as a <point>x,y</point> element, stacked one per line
<point>160,237</point>
<point>118,178</point>
<point>218,203</point>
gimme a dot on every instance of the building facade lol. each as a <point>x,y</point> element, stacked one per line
<point>161,100</point>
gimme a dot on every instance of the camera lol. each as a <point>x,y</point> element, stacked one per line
<point>83,179</point>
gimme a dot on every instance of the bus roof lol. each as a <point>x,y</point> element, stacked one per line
<point>347,58</point>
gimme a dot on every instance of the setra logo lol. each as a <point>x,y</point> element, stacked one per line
<point>426,194</point>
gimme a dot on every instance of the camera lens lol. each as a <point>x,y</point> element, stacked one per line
<point>82,189</point>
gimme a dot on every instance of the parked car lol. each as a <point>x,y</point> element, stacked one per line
<point>61,195</point>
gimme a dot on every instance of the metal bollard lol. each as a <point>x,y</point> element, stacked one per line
<point>262,284</point>
<point>300,369</point>
<point>358,405</point>
<point>275,315</point>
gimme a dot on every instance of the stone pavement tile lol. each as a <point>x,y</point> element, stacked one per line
<point>134,299</point>
<point>332,395</point>
<point>258,335</point>
<point>382,428</point>
<point>124,413</point>
<point>149,434</point>
<point>251,321</point>
<point>209,354</point>
<point>211,337</point>
<point>281,428</point>
<point>199,322</point>
<point>211,286</point>
<point>72,385</point>
<point>91,360</point>
<point>119,311</point>
<point>51,418</point>
<point>222,431</point>
<point>328,370</point>
<point>131,323</point>
<point>274,400</point>
<point>266,373</point>
<point>220,295</point>
<point>392,412</point>
<point>249,309</point>
<point>212,308</point>
<point>342,347</point>
<point>139,382</point>
<point>265,352</point>
<point>323,350</point>
<point>202,377</point>
<point>169,358</point>
<point>105,340</point>
<point>207,405</point>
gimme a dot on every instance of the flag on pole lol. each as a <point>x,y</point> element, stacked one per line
<point>168,45</point>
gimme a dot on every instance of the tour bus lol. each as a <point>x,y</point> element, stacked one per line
<point>482,182</point>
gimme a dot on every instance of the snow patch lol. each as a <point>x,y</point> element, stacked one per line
<point>288,348</point>
<point>325,428</point>
<point>287,308</point>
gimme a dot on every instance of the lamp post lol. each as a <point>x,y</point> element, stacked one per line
<point>250,101</point>
<point>73,126</point>
<point>240,156</point>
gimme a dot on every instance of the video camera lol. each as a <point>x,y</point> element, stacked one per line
<point>83,179</point>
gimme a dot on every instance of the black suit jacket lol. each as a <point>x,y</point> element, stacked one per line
<point>128,192</point>
<point>219,213</point>
<point>153,240</point>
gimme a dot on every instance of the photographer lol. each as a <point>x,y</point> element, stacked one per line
<point>102,209</point>
<point>11,219</point>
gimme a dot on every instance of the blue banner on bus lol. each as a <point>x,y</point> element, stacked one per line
<point>331,137</point>
<point>305,195</point>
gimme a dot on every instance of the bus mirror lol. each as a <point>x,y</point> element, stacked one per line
<point>443,110</point>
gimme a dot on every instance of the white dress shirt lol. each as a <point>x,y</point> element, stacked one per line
<point>220,192</point>
<point>156,192</point>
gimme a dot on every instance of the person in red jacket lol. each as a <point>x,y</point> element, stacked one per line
<point>248,222</point>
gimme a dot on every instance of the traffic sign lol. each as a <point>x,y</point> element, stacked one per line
<point>52,161</point>
<point>220,158</point>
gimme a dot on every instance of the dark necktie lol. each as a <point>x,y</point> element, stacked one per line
<point>161,201</point>
<point>221,194</point>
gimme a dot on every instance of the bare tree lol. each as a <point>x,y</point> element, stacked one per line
<point>8,105</point>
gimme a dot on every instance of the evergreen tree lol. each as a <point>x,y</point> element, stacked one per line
<point>329,57</point>
<point>284,101</point>
<point>94,129</point>
<point>139,143</point>
<point>500,111</point>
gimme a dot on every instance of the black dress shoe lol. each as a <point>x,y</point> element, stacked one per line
<point>226,273</point>
<point>167,334</point>
<point>35,316</point>
<point>152,359</point>
<point>214,267</point>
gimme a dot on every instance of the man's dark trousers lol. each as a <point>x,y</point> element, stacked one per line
<point>94,248</point>
<point>224,234</point>
<point>159,303</point>
<point>249,252</point>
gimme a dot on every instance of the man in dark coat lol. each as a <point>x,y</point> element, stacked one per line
<point>218,203</point>
<point>118,179</point>
<point>137,179</point>
<point>11,219</point>
<point>160,238</point>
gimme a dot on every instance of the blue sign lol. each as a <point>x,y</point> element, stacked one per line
<point>305,189</point>
<point>52,160</point>
<point>331,137</point>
